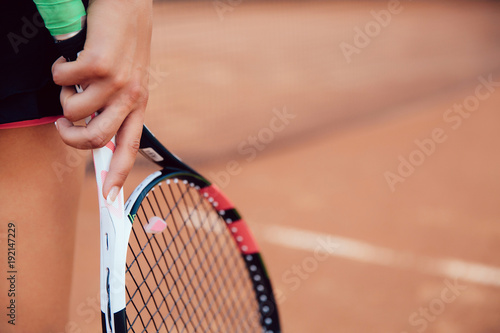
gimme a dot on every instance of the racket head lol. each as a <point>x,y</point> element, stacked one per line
<point>203,270</point>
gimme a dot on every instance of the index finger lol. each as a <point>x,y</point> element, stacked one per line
<point>83,69</point>
<point>127,145</point>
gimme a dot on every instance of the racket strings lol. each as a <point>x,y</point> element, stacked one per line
<point>179,274</point>
<point>188,264</point>
<point>222,246</point>
<point>158,306</point>
<point>200,266</point>
<point>215,315</point>
<point>237,284</point>
<point>191,277</point>
<point>149,292</point>
<point>145,299</point>
<point>205,293</point>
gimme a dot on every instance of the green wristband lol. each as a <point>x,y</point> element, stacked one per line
<point>61,16</point>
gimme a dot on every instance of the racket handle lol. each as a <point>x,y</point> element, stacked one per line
<point>115,228</point>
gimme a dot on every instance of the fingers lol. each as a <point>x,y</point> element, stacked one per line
<point>96,134</point>
<point>69,73</point>
<point>127,145</point>
<point>86,67</point>
<point>102,128</point>
<point>78,106</point>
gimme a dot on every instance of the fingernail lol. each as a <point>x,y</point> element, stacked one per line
<point>112,195</point>
<point>55,123</point>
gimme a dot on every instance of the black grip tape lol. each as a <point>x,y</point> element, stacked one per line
<point>70,47</point>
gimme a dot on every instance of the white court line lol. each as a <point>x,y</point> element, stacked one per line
<point>343,247</point>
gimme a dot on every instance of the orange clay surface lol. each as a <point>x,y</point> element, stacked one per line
<point>377,209</point>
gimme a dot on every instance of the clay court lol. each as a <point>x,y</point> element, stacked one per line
<point>360,141</point>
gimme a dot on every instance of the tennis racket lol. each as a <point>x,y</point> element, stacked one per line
<point>177,256</point>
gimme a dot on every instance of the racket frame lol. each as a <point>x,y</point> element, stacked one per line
<point>174,168</point>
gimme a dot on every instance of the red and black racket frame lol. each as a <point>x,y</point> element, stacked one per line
<point>173,168</point>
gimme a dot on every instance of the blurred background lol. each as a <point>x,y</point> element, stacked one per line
<point>360,141</point>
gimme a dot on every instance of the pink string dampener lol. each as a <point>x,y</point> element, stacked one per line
<point>155,225</point>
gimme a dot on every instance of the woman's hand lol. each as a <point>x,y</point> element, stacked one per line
<point>113,70</point>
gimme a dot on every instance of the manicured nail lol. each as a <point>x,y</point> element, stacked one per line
<point>55,123</point>
<point>112,195</point>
